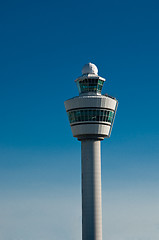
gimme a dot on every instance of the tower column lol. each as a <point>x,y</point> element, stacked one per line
<point>91,190</point>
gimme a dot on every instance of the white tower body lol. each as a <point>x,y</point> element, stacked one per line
<point>91,117</point>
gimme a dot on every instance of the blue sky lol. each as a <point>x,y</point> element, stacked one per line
<point>43,47</point>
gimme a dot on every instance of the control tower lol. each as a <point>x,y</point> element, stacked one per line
<point>91,116</point>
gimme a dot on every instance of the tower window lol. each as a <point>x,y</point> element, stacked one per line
<point>90,85</point>
<point>89,115</point>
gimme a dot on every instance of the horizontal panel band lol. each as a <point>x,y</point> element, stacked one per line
<point>92,108</point>
<point>85,123</point>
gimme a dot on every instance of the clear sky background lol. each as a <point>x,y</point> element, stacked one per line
<point>43,47</point>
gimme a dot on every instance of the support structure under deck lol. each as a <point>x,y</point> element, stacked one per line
<point>91,190</point>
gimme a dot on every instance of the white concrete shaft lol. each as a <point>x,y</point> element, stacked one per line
<point>91,190</point>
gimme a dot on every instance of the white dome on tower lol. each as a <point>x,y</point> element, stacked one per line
<point>90,68</point>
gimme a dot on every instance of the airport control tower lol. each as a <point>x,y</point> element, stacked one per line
<point>91,116</point>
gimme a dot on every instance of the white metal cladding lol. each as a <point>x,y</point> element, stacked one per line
<point>90,129</point>
<point>95,101</point>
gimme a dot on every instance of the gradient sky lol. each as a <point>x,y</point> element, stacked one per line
<point>43,47</point>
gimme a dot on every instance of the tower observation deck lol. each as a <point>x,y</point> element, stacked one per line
<point>91,116</point>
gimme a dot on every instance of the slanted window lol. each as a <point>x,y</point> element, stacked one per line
<point>90,85</point>
<point>89,115</point>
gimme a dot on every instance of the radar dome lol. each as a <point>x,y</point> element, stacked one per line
<point>90,68</point>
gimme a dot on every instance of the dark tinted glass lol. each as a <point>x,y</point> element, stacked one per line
<point>90,85</point>
<point>83,115</point>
